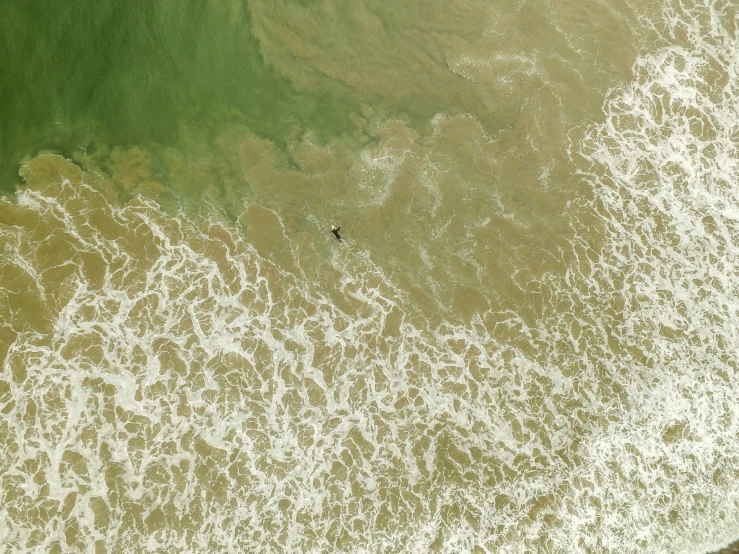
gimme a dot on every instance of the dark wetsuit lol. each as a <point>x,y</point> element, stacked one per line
<point>335,231</point>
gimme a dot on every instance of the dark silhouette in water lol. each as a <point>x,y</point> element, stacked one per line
<point>335,231</point>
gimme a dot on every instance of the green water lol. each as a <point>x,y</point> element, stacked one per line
<point>520,346</point>
<point>88,74</point>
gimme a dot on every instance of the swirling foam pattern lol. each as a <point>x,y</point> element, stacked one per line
<point>166,388</point>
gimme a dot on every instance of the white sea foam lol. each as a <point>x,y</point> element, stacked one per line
<point>664,165</point>
<point>379,167</point>
<point>197,397</point>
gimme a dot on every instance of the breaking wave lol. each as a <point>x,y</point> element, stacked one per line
<point>165,386</point>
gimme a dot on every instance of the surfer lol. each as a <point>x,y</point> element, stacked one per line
<point>335,231</point>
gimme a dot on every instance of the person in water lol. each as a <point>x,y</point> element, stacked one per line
<point>335,231</point>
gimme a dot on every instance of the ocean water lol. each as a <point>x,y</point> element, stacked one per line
<point>525,343</point>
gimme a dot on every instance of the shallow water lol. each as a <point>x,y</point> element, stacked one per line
<point>525,342</point>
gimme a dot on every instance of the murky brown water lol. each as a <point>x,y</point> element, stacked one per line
<point>524,343</point>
